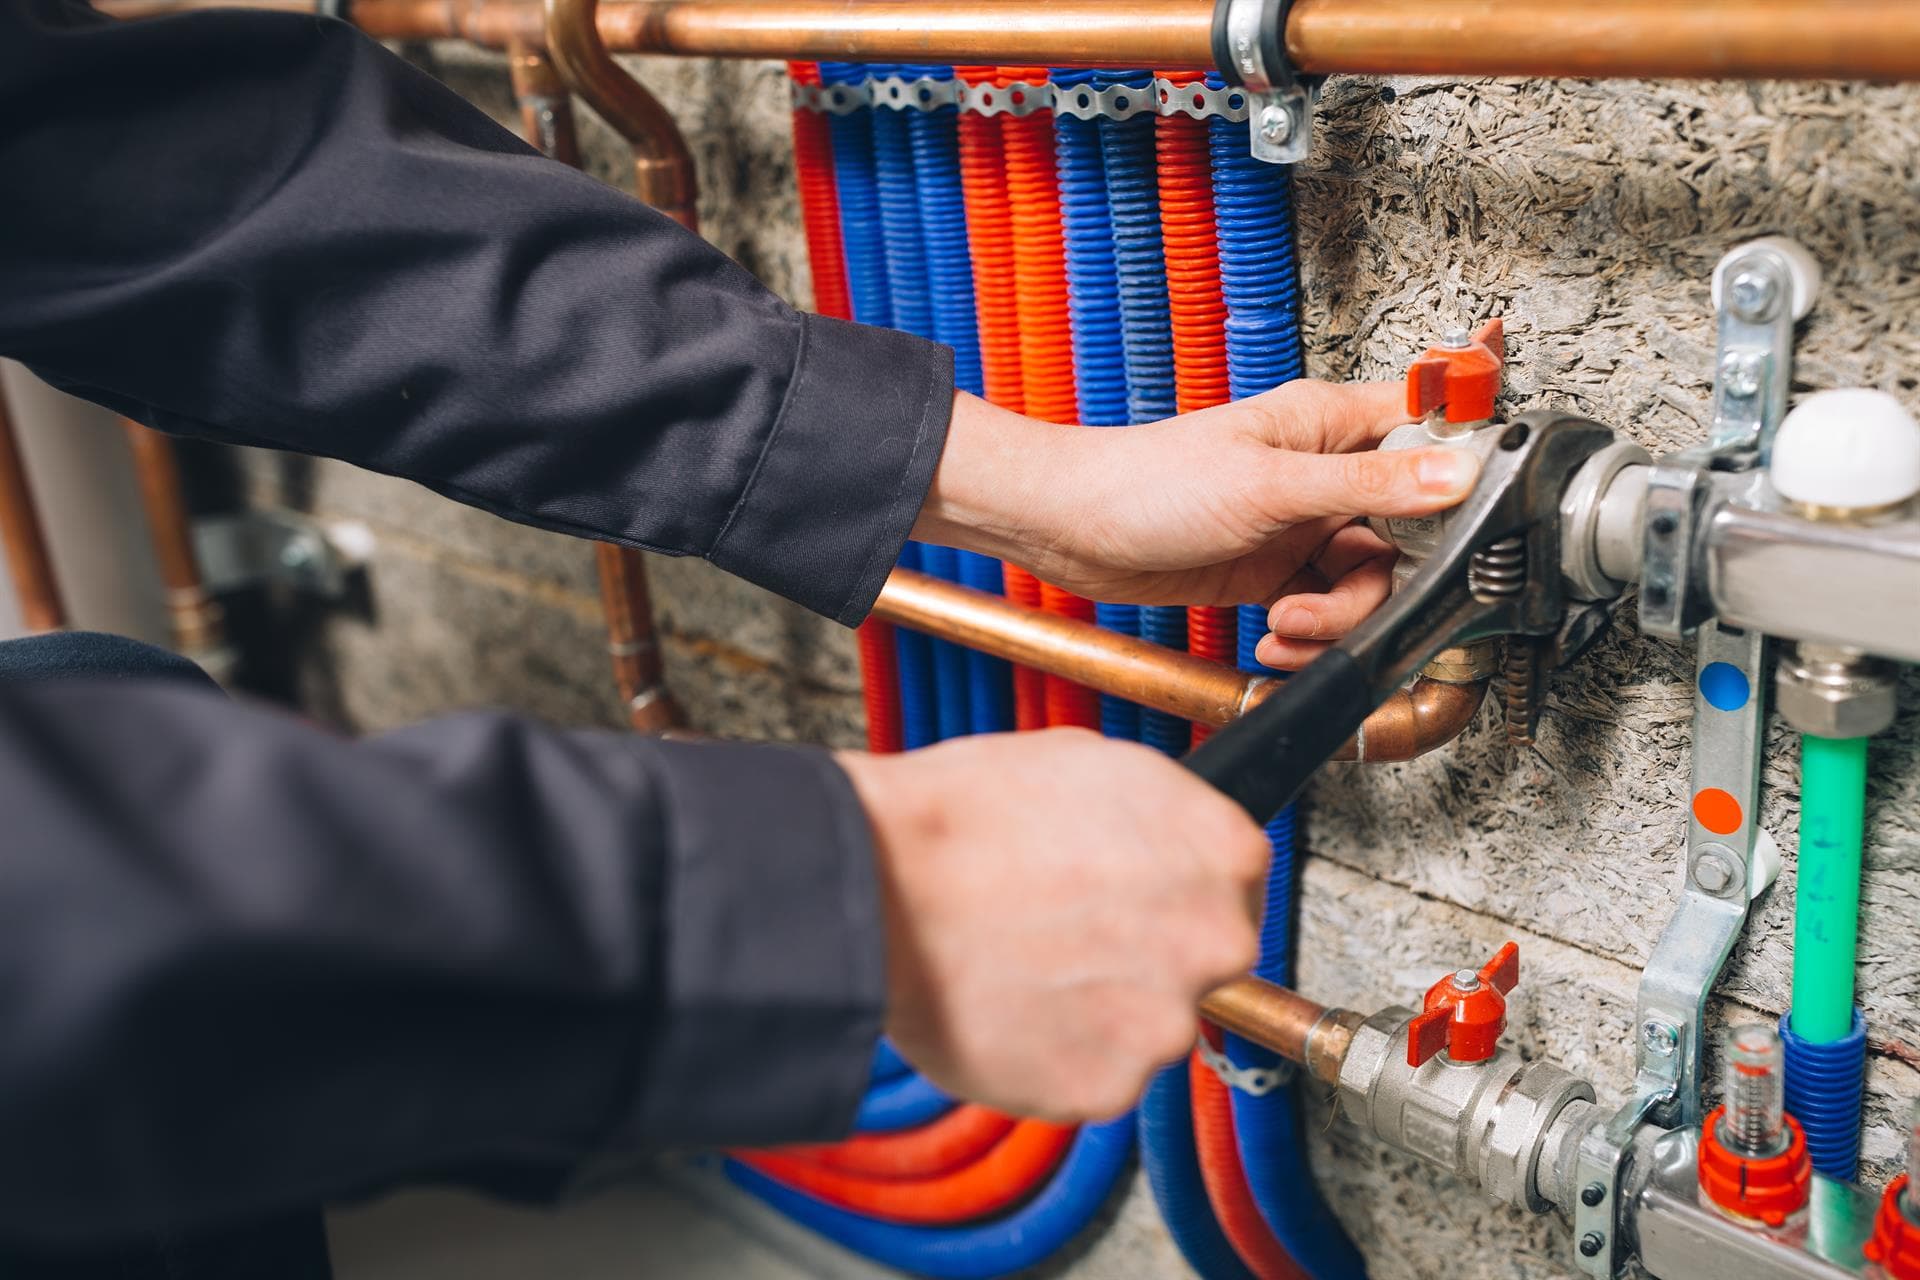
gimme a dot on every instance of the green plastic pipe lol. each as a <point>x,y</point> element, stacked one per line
<point>1826,920</point>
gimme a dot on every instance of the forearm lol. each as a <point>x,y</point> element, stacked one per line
<point>250,964</point>
<point>266,229</point>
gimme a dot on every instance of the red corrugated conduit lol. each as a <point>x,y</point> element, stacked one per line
<point>954,1141</point>
<point>1225,1178</point>
<point>820,219</point>
<point>1046,338</point>
<point>1003,1177</point>
<point>996,291</point>
<point>1198,313</point>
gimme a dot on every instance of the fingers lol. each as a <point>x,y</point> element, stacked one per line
<point>1405,482</point>
<point>1329,417</point>
<point>1344,606</point>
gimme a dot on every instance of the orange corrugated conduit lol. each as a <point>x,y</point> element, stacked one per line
<point>1225,1178</point>
<point>1046,340</point>
<point>1004,1176</point>
<point>1199,315</point>
<point>961,1137</point>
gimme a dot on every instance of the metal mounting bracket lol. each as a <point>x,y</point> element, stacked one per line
<point>1753,366</point>
<point>1729,739</point>
<point>253,547</point>
<point>1250,47</point>
<point>1603,1165</point>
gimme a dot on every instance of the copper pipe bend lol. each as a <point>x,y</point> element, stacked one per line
<point>662,164</point>
<point>1425,715</point>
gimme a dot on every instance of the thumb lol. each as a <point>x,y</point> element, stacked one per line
<point>1404,482</point>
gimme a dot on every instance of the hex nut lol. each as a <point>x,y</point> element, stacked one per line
<point>1519,1128</point>
<point>1831,693</point>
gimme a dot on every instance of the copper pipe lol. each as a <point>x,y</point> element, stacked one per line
<point>1581,39</point>
<point>1284,1021</point>
<point>1411,723</point>
<point>28,562</point>
<point>196,618</point>
<point>1733,39</point>
<point>663,170</point>
<point>546,112</point>
<point>662,166</point>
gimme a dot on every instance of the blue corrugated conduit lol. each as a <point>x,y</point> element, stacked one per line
<point>1259,278</point>
<point>1093,308</point>
<point>987,692</point>
<point>887,1063</point>
<point>1173,1172</point>
<point>904,1102</point>
<point>934,703</point>
<point>1024,1238</point>
<point>1133,197</point>
<point>857,188</point>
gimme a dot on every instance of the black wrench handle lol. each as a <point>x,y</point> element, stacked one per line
<point>1262,760</point>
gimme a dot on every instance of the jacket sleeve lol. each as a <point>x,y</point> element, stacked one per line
<point>263,228</point>
<point>244,964</point>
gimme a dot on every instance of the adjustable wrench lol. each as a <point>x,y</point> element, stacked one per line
<point>1496,572</point>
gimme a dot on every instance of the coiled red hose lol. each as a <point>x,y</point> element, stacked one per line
<point>954,1141</point>
<point>1046,337</point>
<point>1226,1180</point>
<point>1198,313</point>
<point>1001,1178</point>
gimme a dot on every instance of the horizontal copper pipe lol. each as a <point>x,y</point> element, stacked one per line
<point>1284,1021</point>
<point>198,622</point>
<point>1410,723</point>
<point>1582,39</point>
<point>1592,39</point>
<point>1137,670</point>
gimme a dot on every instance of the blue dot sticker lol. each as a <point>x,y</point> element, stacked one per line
<point>1724,686</point>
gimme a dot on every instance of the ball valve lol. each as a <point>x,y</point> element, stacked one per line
<point>1465,1012</point>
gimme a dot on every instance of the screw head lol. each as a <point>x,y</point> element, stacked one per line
<point>1660,1038</point>
<point>1591,1244</point>
<point>1753,294</point>
<point>1456,339</point>
<point>1276,124</point>
<point>1743,373</point>
<point>1712,872</point>
<point>1592,1194</point>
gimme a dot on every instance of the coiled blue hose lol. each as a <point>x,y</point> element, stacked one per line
<point>1825,1086</point>
<point>887,1063</point>
<point>1024,1238</point>
<point>1259,279</point>
<point>1140,269</point>
<point>904,1102</point>
<point>1093,309</point>
<point>1173,1172</point>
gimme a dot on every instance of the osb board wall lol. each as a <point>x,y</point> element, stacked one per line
<point>1589,215</point>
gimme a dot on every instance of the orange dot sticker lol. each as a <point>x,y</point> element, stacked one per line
<point>1717,811</point>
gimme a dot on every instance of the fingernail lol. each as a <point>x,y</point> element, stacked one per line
<point>1447,473</point>
<point>1294,621</point>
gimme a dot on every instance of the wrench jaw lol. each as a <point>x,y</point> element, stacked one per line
<point>1495,573</point>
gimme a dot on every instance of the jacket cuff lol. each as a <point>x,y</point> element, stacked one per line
<point>772,952</point>
<point>845,470</point>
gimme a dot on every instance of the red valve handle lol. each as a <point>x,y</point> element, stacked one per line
<point>1465,1014</point>
<point>1463,380</point>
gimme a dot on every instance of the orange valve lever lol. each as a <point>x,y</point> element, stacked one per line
<point>1461,375</point>
<point>1465,1012</point>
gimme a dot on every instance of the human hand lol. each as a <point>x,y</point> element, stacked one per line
<point>1056,904</point>
<point>1244,503</point>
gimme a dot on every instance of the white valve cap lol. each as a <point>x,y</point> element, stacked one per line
<point>1802,268</point>
<point>1850,450</point>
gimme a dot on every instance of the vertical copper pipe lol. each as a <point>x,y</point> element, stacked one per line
<point>28,563</point>
<point>197,621</point>
<point>546,112</point>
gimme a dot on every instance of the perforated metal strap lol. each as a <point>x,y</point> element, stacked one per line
<point>1255,1082</point>
<point>1082,102</point>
